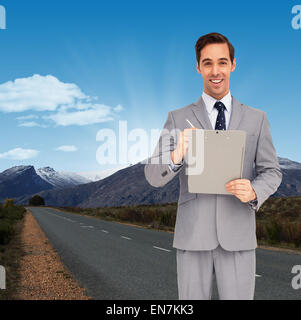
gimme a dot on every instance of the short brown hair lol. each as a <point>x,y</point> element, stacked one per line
<point>212,38</point>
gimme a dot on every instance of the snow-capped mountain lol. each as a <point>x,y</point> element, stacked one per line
<point>20,181</point>
<point>289,164</point>
<point>99,175</point>
<point>62,179</point>
<point>26,180</point>
<point>14,172</point>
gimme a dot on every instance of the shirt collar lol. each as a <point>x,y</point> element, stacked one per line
<point>210,101</point>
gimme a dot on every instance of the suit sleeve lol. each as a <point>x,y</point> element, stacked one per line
<point>157,170</point>
<point>268,173</point>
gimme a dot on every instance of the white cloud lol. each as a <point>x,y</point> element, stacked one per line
<point>19,154</point>
<point>118,108</point>
<point>40,93</point>
<point>66,148</point>
<point>96,114</point>
<point>65,103</point>
<point>29,117</point>
<point>30,124</point>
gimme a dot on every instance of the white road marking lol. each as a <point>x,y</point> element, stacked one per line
<point>91,227</point>
<point>126,238</point>
<point>257,275</point>
<point>105,231</point>
<point>57,215</point>
<point>161,249</point>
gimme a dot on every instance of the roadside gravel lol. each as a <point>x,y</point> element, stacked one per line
<point>42,274</point>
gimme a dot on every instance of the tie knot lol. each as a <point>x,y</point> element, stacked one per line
<point>219,106</point>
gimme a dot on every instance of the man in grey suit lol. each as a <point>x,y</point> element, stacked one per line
<point>215,234</point>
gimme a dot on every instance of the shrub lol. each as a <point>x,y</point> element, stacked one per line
<point>36,201</point>
<point>273,229</point>
<point>8,203</point>
<point>8,217</point>
<point>6,231</point>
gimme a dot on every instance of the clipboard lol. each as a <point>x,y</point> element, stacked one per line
<point>214,158</point>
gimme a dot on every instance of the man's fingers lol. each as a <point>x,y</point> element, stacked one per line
<point>239,193</point>
<point>241,187</point>
<point>238,181</point>
<point>237,184</point>
<point>241,197</point>
<point>244,188</point>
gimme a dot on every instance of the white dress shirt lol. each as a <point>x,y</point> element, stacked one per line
<point>213,112</point>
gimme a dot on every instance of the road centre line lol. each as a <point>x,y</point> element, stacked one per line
<point>126,238</point>
<point>57,215</point>
<point>161,249</point>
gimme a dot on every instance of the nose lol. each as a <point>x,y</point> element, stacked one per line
<point>215,70</point>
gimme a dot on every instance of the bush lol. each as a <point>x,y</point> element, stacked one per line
<point>6,231</point>
<point>36,201</point>
<point>273,229</point>
<point>8,217</point>
<point>9,203</point>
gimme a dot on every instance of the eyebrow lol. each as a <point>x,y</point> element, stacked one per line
<point>221,59</point>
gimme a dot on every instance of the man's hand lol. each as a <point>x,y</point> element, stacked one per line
<point>242,189</point>
<point>178,154</point>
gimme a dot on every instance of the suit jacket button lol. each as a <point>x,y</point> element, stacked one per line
<point>164,174</point>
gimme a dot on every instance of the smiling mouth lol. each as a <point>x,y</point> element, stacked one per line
<point>217,81</point>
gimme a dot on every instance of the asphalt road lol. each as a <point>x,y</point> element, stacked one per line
<point>118,261</point>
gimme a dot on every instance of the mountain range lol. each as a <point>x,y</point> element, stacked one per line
<point>98,175</point>
<point>26,180</point>
<point>127,186</point>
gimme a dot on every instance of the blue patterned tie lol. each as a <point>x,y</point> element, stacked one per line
<point>220,120</point>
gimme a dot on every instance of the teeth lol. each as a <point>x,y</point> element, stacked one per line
<point>216,81</point>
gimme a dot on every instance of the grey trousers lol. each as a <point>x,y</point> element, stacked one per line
<point>234,272</point>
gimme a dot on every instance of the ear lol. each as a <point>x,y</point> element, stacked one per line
<point>198,68</point>
<point>233,65</point>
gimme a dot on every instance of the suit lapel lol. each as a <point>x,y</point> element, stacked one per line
<point>236,114</point>
<point>200,112</point>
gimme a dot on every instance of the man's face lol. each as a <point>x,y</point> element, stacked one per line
<point>215,67</point>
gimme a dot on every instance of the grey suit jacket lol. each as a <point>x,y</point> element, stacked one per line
<point>205,220</point>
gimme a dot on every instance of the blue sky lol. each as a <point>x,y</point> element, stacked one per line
<point>106,61</point>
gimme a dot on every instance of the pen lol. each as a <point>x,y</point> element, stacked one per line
<point>192,126</point>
